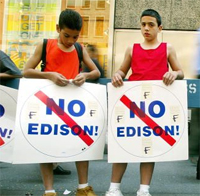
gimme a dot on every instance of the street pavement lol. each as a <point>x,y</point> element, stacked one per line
<point>170,179</point>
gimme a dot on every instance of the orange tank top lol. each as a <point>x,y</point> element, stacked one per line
<point>57,60</point>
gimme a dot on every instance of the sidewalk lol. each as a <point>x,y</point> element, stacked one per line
<point>170,179</point>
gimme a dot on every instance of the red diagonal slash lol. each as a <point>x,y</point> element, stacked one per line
<point>1,142</point>
<point>147,120</point>
<point>64,117</point>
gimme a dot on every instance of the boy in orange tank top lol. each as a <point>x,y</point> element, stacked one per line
<point>69,27</point>
<point>136,59</point>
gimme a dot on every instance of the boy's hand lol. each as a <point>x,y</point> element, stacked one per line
<point>117,80</point>
<point>58,79</point>
<point>169,77</point>
<point>79,79</point>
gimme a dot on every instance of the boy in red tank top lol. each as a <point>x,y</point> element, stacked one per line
<point>62,66</point>
<point>148,61</point>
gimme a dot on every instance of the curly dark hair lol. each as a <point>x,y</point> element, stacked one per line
<point>70,19</point>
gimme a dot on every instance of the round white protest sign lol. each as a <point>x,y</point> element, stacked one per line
<point>62,124</point>
<point>145,123</point>
<point>7,113</point>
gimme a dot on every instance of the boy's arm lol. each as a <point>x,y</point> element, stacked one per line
<point>92,75</point>
<point>31,72</point>
<point>33,62</point>
<point>177,72</point>
<point>119,75</point>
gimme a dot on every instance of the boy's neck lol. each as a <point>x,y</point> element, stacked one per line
<point>63,47</point>
<point>150,44</point>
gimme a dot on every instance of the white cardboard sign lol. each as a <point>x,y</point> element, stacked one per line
<point>8,104</point>
<point>147,122</point>
<point>59,124</point>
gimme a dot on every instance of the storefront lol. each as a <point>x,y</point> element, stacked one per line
<point>26,22</point>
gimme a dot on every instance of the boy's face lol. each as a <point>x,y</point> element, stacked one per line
<point>149,27</point>
<point>68,37</point>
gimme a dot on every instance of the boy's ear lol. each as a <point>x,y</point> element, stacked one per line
<point>57,28</point>
<point>160,28</point>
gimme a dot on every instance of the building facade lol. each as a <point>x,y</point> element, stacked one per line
<point>110,25</point>
<point>26,22</point>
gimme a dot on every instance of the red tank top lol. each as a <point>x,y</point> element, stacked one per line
<point>149,64</point>
<point>65,63</point>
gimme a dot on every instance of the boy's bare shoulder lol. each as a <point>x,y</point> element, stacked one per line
<point>39,47</point>
<point>130,47</point>
<point>129,50</point>
<point>40,43</point>
<point>169,46</point>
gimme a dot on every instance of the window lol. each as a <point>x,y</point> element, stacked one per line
<point>99,26</point>
<point>71,4</point>
<point>54,4</point>
<point>26,22</point>
<point>85,27</point>
<point>25,4</point>
<point>86,4</point>
<point>11,3</point>
<point>101,4</point>
<point>40,3</point>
